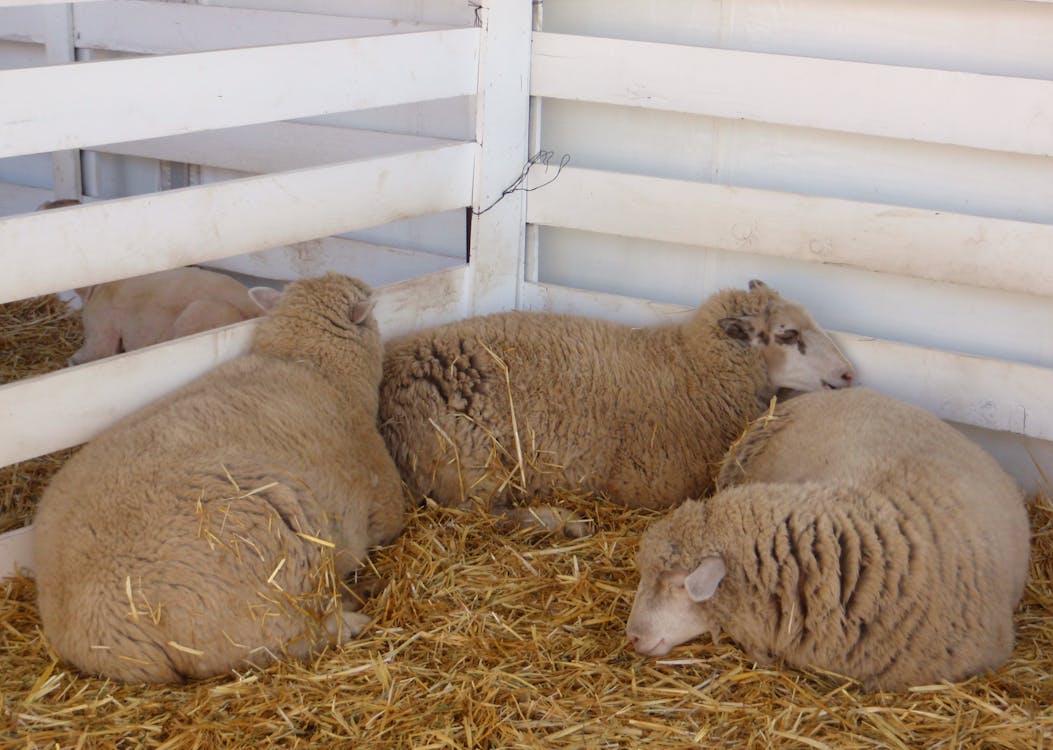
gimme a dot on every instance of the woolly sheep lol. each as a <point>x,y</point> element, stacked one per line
<point>853,533</point>
<point>128,314</point>
<point>213,528</point>
<point>641,414</point>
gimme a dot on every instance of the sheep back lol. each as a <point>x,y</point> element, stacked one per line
<point>211,529</point>
<point>642,415</point>
<point>861,535</point>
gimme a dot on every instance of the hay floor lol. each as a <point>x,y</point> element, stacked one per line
<point>37,336</point>
<point>489,638</point>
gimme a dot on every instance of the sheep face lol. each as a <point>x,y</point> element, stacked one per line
<point>798,353</point>
<point>671,605</point>
<point>666,614</point>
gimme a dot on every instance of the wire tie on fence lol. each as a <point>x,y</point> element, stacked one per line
<point>541,157</point>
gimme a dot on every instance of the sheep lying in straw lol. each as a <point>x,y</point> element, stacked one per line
<point>128,314</point>
<point>213,528</point>
<point>641,414</point>
<point>853,533</point>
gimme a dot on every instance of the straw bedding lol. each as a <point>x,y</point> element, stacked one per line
<point>485,637</point>
<point>488,638</point>
<point>37,336</point>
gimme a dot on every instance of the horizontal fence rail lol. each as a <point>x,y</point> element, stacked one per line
<point>151,27</point>
<point>16,3</point>
<point>76,403</point>
<point>71,247</point>
<point>990,393</point>
<point>880,100</point>
<point>996,253</point>
<point>87,104</point>
<point>273,146</point>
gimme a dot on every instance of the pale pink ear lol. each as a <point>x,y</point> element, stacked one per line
<point>265,297</point>
<point>361,310</point>
<point>701,583</point>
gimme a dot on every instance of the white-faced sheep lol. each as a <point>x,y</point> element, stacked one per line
<point>641,414</point>
<point>853,533</point>
<point>213,528</point>
<point>128,314</point>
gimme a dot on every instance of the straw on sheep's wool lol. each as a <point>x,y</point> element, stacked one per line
<point>37,336</point>
<point>484,637</point>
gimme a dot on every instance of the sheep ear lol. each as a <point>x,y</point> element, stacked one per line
<point>701,583</point>
<point>740,329</point>
<point>361,310</point>
<point>757,284</point>
<point>265,297</point>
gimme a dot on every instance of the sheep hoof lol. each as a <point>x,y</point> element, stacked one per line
<point>344,625</point>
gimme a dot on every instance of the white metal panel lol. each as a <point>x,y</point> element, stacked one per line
<point>7,3</point>
<point>70,406</point>
<point>21,198</point>
<point>989,393</point>
<point>22,24</point>
<point>272,146</point>
<point>856,97</point>
<point>912,242</point>
<point>801,160</point>
<point>981,36</point>
<point>71,247</point>
<point>985,322</point>
<point>374,263</point>
<point>16,552</point>
<point>59,42</point>
<point>456,12</point>
<point>59,107</point>
<point>165,28</point>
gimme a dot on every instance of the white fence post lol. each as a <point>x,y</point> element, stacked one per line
<point>497,237</point>
<point>59,40</point>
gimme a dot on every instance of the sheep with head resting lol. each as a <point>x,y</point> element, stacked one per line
<point>128,314</point>
<point>212,529</point>
<point>640,414</point>
<point>853,533</point>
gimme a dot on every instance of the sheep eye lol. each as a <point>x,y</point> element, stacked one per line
<point>789,336</point>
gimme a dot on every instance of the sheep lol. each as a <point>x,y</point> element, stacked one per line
<point>128,314</point>
<point>642,415</point>
<point>851,532</point>
<point>212,529</point>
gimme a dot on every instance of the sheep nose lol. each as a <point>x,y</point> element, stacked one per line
<point>633,639</point>
<point>848,376</point>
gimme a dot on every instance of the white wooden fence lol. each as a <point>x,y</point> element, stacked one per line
<point>216,84</point>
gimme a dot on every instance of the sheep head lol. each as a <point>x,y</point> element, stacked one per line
<point>327,320</point>
<point>798,353</point>
<point>672,601</point>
